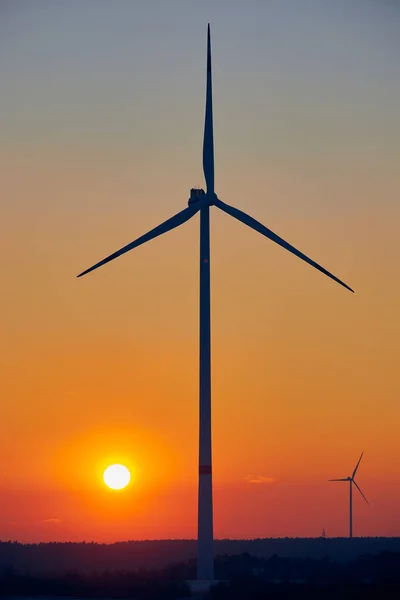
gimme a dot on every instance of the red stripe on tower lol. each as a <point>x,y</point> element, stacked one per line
<point>205,470</point>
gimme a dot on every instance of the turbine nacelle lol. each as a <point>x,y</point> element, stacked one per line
<point>196,195</point>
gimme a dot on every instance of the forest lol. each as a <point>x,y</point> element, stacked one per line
<point>241,576</point>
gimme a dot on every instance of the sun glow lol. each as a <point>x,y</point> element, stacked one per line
<point>116,477</point>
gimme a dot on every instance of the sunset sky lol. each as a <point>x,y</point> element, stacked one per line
<point>101,120</point>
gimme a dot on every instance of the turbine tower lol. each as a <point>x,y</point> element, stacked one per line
<point>200,201</point>
<point>352,482</point>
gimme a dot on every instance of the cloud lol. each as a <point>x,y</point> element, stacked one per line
<point>52,521</point>
<point>259,479</point>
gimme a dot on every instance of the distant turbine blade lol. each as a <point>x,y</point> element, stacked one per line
<point>345,479</point>
<point>171,223</point>
<point>355,470</point>
<point>257,226</point>
<point>208,142</point>
<point>360,492</point>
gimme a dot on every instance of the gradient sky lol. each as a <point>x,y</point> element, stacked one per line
<point>101,120</point>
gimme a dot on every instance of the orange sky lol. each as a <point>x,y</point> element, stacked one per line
<point>105,369</point>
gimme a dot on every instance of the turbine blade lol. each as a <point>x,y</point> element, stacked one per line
<point>171,223</point>
<point>257,226</point>
<point>208,142</point>
<point>346,479</point>
<point>355,470</point>
<point>360,492</point>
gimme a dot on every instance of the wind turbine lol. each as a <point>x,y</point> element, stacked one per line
<point>201,202</point>
<point>352,482</point>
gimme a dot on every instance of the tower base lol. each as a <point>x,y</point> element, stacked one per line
<point>199,588</point>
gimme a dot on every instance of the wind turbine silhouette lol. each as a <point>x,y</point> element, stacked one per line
<point>352,482</point>
<point>201,201</point>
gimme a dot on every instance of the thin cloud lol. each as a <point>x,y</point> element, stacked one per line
<point>259,479</point>
<point>52,521</point>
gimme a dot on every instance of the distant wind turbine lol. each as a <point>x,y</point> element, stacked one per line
<point>352,482</point>
<point>201,201</point>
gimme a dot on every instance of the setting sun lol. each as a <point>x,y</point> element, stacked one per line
<point>116,477</point>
